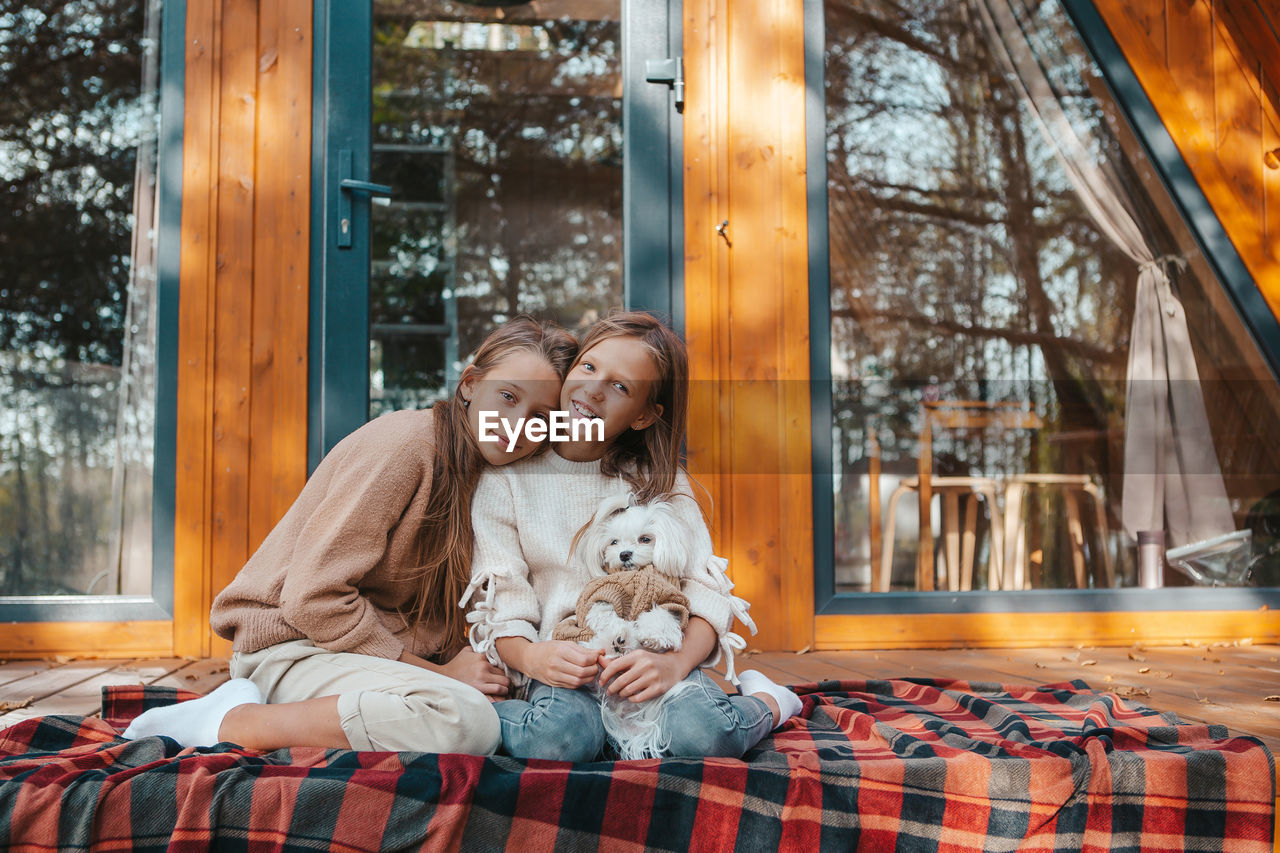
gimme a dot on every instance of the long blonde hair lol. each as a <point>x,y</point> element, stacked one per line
<point>649,459</point>
<point>444,538</point>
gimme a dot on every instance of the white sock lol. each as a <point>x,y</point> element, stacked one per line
<point>195,722</point>
<point>754,681</point>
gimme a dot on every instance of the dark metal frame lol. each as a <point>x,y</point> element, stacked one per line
<point>338,386</point>
<point>1213,242</point>
<point>653,140</point>
<point>157,606</point>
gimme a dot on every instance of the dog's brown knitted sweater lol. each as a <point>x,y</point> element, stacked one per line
<point>631,593</point>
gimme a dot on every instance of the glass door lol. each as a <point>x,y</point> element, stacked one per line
<point>480,161</point>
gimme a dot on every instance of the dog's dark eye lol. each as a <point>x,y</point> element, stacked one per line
<point>645,540</point>
<point>614,542</point>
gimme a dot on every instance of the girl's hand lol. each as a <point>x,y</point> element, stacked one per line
<point>472,668</point>
<point>642,675</point>
<point>469,668</point>
<point>560,663</point>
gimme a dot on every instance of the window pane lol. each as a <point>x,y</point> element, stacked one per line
<point>501,133</point>
<point>972,290</point>
<point>77,156</point>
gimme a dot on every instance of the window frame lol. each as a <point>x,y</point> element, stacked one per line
<point>1205,228</point>
<point>159,605</point>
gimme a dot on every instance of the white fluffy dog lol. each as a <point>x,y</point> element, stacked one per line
<point>639,553</point>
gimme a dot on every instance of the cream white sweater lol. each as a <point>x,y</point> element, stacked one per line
<point>525,516</point>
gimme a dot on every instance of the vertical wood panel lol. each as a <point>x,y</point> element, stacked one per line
<point>241,446</point>
<point>1149,17</point>
<point>704,209</point>
<point>1271,187</point>
<point>234,300</point>
<point>278,413</point>
<point>746,300</point>
<point>1238,119</point>
<point>754,305</point>
<point>191,506</point>
<point>795,421</point>
<point>1190,52</point>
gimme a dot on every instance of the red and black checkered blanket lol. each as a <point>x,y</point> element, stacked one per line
<point>907,764</point>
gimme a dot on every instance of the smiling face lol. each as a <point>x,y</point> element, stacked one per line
<point>520,385</point>
<point>612,381</point>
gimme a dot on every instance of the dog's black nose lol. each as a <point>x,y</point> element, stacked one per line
<point>625,556</point>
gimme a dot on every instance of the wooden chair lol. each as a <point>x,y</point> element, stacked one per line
<point>960,542</point>
<point>1074,488</point>
<point>958,415</point>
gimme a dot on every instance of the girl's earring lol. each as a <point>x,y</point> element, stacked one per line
<point>466,404</point>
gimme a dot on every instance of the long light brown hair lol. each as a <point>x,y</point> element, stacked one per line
<point>649,459</point>
<point>444,540</point>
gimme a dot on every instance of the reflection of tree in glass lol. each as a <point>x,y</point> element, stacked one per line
<point>70,122</point>
<point>530,111</point>
<point>961,260</point>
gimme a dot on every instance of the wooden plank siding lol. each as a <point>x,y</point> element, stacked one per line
<point>1215,89</point>
<point>746,303</point>
<point>242,408</point>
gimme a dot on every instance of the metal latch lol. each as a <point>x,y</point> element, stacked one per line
<point>669,71</point>
<point>346,186</point>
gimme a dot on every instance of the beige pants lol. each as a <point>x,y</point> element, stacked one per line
<point>382,704</point>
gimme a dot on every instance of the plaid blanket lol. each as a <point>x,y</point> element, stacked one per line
<point>907,764</point>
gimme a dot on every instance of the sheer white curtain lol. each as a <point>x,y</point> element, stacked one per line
<point>1172,479</point>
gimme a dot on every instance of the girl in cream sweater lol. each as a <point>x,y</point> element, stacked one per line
<point>631,373</point>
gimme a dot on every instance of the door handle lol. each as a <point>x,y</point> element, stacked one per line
<point>346,186</point>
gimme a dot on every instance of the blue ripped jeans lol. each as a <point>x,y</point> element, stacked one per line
<point>563,724</point>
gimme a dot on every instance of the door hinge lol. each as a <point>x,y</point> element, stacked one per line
<point>669,71</point>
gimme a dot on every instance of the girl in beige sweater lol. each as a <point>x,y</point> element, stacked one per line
<point>632,374</point>
<point>345,621</point>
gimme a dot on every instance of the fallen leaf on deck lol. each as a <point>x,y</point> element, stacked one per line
<point>1136,656</point>
<point>1204,700</point>
<point>1040,666</point>
<point>13,706</point>
<point>1271,698</point>
<point>1088,662</point>
<point>1126,691</point>
<point>1072,658</point>
<point>1144,669</point>
<point>1106,678</point>
<point>802,651</point>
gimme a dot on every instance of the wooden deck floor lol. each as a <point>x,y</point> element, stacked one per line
<point>1237,686</point>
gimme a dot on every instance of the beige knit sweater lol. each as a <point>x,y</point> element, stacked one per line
<point>525,516</point>
<point>629,593</point>
<point>338,568</point>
